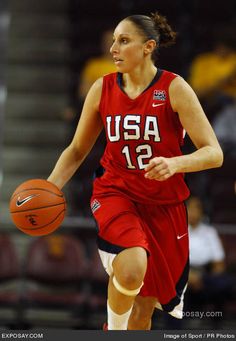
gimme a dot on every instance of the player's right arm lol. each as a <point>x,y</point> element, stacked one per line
<point>89,127</point>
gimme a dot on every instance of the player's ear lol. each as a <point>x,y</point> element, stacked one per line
<point>149,46</point>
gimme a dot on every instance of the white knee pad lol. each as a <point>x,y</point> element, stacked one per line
<point>125,291</point>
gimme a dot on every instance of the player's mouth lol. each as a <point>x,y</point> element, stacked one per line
<point>117,60</point>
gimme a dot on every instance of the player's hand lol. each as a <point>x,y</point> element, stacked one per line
<point>160,168</point>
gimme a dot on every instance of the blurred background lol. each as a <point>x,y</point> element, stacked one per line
<point>51,51</point>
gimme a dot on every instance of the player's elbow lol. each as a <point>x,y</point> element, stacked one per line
<point>77,152</point>
<point>219,157</point>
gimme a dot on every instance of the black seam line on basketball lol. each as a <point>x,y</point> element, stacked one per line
<point>41,189</point>
<point>40,227</point>
<point>38,208</point>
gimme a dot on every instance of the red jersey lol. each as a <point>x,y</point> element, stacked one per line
<point>138,130</point>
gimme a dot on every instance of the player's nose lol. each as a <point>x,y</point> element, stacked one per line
<point>114,48</point>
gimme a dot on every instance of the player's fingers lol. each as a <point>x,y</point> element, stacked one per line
<point>153,163</point>
<point>149,166</point>
<point>157,172</point>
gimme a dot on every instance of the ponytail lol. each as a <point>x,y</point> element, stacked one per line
<point>154,27</point>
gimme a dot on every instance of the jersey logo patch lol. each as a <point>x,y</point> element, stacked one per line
<point>95,205</point>
<point>159,95</point>
<point>157,104</point>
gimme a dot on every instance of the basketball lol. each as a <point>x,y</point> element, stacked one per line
<point>37,207</point>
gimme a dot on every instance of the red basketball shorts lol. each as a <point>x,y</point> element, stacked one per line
<point>161,230</point>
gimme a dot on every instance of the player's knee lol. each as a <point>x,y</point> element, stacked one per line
<point>130,277</point>
<point>130,268</point>
<point>125,290</point>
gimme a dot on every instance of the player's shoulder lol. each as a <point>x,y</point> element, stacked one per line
<point>170,77</point>
<point>111,76</point>
<point>94,94</point>
<point>97,85</point>
<point>110,80</point>
<point>179,86</point>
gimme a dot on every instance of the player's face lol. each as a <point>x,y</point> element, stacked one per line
<point>128,47</point>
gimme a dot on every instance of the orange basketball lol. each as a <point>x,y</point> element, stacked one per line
<point>37,207</point>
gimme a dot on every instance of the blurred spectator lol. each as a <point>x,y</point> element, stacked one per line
<point>94,68</point>
<point>209,284</point>
<point>224,125</point>
<point>212,75</point>
<point>97,66</point>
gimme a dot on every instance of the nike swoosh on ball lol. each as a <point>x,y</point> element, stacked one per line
<point>21,202</point>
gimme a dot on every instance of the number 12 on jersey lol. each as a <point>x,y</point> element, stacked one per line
<point>143,155</point>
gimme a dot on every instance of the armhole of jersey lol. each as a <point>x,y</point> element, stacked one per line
<point>175,76</point>
<point>182,133</point>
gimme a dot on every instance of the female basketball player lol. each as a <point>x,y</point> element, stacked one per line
<point>138,195</point>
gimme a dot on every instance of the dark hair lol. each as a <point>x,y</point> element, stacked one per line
<point>154,27</point>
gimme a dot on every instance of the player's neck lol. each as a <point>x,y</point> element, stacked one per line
<point>136,82</point>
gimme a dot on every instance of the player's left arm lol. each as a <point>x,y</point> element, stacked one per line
<point>208,152</point>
